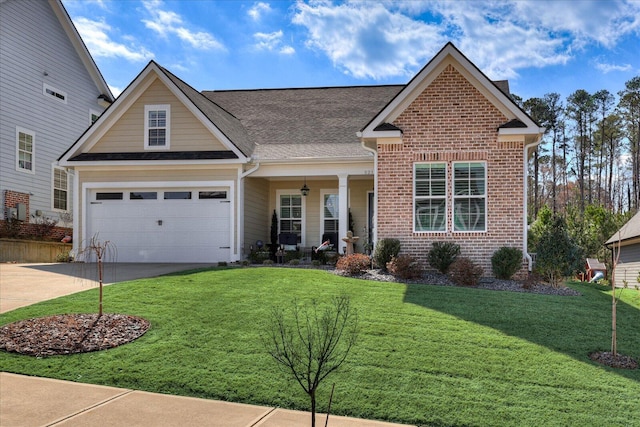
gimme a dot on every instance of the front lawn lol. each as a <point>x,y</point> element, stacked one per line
<point>427,355</point>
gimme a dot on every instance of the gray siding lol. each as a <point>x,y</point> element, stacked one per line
<point>33,43</point>
<point>628,265</point>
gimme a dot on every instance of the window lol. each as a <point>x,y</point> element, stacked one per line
<point>156,126</point>
<point>60,189</point>
<point>54,93</point>
<point>93,116</point>
<point>212,195</point>
<point>330,213</point>
<point>143,195</point>
<point>430,197</point>
<point>291,214</point>
<point>25,150</point>
<point>469,197</point>
<point>108,196</point>
<point>177,195</point>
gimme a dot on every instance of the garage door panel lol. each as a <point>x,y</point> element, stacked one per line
<point>191,230</point>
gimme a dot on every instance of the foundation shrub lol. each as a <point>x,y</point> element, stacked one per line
<point>505,262</point>
<point>385,250</point>
<point>354,264</point>
<point>442,255</point>
<point>405,267</point>
<point>465,272</point>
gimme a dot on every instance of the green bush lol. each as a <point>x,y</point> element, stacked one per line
<point>442,255</point>
<point>258,257</point>
<point>294,261</point>
<point>505,262</point>
<point>465,272</point>
<point>267,262</point>
<point>354,264</point>
<point>405,267</point>
<point>385,250</point>
<point>558,255</point>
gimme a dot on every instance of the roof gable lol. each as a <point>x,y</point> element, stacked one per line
<point>449,55</point>
<point>212,117</point>
<point>630,230</point>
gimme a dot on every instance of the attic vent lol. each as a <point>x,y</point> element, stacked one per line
<point>54,93</point>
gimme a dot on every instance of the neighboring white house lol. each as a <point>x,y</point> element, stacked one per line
<point>627,242</point>
<point>50,92</point>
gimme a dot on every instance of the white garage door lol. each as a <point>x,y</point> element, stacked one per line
<point>163,225</point>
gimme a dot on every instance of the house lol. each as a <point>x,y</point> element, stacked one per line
<point>50,93</point>
<point>627,240</point>
<point>172,174</point>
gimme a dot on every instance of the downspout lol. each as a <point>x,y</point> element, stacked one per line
<point>374,235</point>
<point>525,224</point>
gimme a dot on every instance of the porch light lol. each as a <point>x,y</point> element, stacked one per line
<point>305,190</point>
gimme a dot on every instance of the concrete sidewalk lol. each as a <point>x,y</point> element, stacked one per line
<point>29,401</point>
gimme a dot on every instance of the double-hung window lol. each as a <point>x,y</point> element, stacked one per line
<point>157,126</point>
<point>60,189</point>
<point>330,212</point>
<point>469,196</point>
<point>25,150</point>
<point>291,214</point>
<point>430,197</point>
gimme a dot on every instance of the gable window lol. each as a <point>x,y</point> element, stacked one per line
<point>54,93</point>
<point>93,116</point>
<point>25,150</point>
<point>469,197</point>
<point>430,197</point>
<point>60,189</point>
<point>290,209</point>
<point>330,212</point>
<point>156,126</point>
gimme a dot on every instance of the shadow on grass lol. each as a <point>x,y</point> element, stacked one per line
<point>575,326</point>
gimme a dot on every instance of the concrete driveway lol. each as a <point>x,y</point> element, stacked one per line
<point>26,284</point>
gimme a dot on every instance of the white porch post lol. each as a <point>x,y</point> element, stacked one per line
<point>343,203</point>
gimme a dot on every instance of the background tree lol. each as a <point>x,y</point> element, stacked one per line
<point>311,342</point>
<point>629,107</point>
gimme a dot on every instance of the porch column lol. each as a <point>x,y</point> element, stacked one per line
<point>343,203</point>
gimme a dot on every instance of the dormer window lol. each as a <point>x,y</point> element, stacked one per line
<point>156,127</point>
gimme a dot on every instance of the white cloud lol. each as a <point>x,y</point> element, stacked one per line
<point>167,23</point>
<point>607,68</point>
<point>116,91</point>
<point>272,42</point>
<point>95,34</point>
<point>258,9</point>
<point>366,39</point>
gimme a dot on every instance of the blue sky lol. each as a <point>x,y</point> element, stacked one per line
<point>539,46</point>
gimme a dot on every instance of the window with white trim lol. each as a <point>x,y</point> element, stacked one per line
<point>469,196</point>
<point>60,189</point>
<point>54,93</point>
<point>290,214</point>
<point>430,197</point>
<point>330,212</point>
<point>157,126</point>
<point>93,116</point>
<point>25,150</point>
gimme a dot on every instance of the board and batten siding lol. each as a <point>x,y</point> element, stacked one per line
<point>34,50</point>
<point>187,132</point>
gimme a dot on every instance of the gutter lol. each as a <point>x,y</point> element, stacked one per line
<point>525,236</point>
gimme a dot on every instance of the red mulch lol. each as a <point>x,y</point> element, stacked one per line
<point>70,333</point>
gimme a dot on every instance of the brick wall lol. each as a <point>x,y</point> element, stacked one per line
<point>30,227</point>
<point>452,121</point>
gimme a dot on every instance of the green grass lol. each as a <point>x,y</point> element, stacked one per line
<point>427,355</point>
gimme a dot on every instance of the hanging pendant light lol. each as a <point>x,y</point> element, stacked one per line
<point>305,190</point>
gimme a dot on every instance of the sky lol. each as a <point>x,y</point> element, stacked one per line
<point>539,46</point>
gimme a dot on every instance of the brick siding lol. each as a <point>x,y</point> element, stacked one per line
<point>28,228</point>
<point>452,121</point>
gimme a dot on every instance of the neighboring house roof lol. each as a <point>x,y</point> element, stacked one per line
<point>82,50</point>
<point>307,122</point>
<point>630,230</point>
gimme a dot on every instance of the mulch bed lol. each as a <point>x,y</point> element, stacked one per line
<point>70,333</point>
<point>618,360</point>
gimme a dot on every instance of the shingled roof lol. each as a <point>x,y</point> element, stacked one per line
<point>304,123</point>
<point>628,231</point>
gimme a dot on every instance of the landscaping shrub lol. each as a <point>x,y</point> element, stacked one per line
<point>294,261</point>
<point>385,250</point>
<point>442,255</point>
<point>405,267</point>
<point>465,272</point>
<point>558,255</point>
<point>505,262</point>
<point>267,262</point>
<point>354,264</point>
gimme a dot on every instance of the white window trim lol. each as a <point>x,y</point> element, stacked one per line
<point>324,192</point>
<point>158,107</point>
<point>303,230</point>
<point>46,87</point>
<point>446,197</point>
<point>93,112</point>
<point>53,188</point>
<point>20,130</point>
<point>485,196</point>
